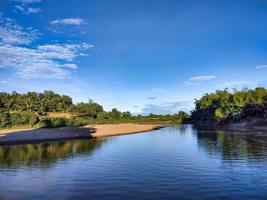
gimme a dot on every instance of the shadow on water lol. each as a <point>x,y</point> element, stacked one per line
<point>233,145</point>
<point>45,154</point>
<point>46,135</point>
<point>229,145</point>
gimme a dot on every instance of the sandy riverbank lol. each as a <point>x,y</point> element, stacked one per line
<point>17,136</point>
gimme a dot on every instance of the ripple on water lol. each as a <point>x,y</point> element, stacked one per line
<point>176,162</point>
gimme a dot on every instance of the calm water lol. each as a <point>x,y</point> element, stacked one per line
<point>176,162</point>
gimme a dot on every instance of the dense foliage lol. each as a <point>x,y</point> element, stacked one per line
<point>41,108</point>
<point>49,109</point>
<point>47,101</point>
<point>224,106</point>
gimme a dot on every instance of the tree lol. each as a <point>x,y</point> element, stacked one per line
<point>224,106</point>
<point>126,114</point>
<point>88,109</point>
<point>4,118</point>
<point>115,114</point>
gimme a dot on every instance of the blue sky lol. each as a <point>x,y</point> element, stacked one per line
<point>142,56</point>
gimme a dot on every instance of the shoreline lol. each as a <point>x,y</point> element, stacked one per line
<point>242,127</point>
<point>38,135</point>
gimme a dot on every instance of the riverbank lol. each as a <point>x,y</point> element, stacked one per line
<point>251,125</point>
<point>19,136</point>
<point>245,127</point>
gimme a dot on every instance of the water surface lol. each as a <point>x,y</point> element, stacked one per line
<point>177,162</point>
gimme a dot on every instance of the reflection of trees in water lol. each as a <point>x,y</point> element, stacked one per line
<point>46,153</point>
<point>180,128</point>
<point>233,145</point>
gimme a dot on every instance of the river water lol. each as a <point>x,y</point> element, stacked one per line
<point>176,162</point>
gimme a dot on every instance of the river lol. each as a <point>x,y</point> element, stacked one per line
<point>176,162</point>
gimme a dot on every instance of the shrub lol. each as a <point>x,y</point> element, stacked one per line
<point>252,110</point>
<point>58,122</point>
<point>34,120</point>
<point>25,118</point>
<point>4,118</point>
<point>19,119</point>
<point>79,122</point>
<point>45,122</point>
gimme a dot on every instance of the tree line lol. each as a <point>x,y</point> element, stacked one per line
<point>221,106</point>
<point>33,108</point>
<point>224,106</point>
<point>48,101</point>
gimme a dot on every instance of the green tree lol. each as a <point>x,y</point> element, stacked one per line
<point>115,114</point>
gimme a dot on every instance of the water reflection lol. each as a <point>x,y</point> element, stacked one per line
<point>45,153</point>
<point>248,146</point>
<point>228,145</point>
<point>177,162</point>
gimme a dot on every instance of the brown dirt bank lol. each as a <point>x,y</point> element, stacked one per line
<point>20,136</point>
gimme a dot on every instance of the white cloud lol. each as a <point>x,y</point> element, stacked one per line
<point>28,1</point>
<point>66,52</point>
<point>3,82</point>
<point>33,10</point>
<point>49,61</point>
<point>156,93</point>
<point>26,6</point>
<point>28,10</point>
<point>71,66</point>
<point>68,21</point>
<point>152,98</point>
<point>19,7</point>
<point>12,33</point>
<point>261,67</point>
<point>199,79</point>
<point>44,61</point>
<point>234,84</point>
<point>167,107</point>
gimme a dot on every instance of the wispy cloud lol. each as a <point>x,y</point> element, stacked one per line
<point>28,10</point>
<point>167,107</point>
<point>28,1</point>
<point>12,33</point>
<point>199,79</point>
<point>54,61</point>
<point>68,21</point>
<point>27,6</point>
<point>156,93</point>
<point>49,61</point>
<point>72,26</point>
<point>261,67</point>
<point>234,84</point>
<point>152,97</point>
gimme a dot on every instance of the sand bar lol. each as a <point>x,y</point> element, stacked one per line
<point>20,136</point>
